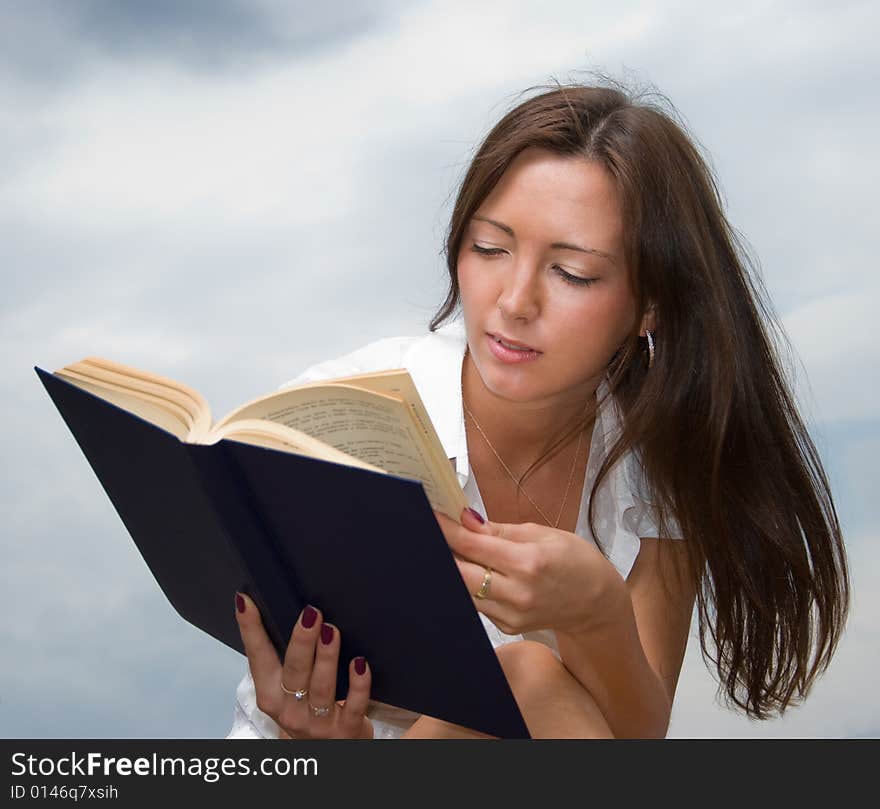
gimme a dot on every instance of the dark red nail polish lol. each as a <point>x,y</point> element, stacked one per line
<point>239,602</point>
<point>326,634</point>
<point>360,665</point>
<point>477,516</point>
<point>310,615</point>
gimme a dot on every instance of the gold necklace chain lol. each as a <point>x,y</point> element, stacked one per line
<point>518,485</point>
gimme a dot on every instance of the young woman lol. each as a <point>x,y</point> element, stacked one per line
<point>620,423</point>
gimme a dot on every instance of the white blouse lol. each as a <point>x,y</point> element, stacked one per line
<point>623,511</point>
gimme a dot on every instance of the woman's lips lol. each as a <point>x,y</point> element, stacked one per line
<point>510,342</point>
<point>510,355</point>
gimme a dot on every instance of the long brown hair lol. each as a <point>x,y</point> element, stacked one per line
<point>713,421</point>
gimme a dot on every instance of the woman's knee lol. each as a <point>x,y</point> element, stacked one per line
<point>553,703</point>
<point>529,666</point>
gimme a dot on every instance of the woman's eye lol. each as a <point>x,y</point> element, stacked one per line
<point>486,251</point>
<point>577,280</point>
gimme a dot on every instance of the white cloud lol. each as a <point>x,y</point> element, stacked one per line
<point>163,146</point>
<point>153,142</point>
<point>836,338</point>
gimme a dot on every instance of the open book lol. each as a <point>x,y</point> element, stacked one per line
<point>374,421</point>
<point>320,494</point>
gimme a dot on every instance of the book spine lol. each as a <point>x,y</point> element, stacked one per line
<point>271,583</point>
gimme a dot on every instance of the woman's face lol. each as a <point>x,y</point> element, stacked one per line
<point>554,279</point>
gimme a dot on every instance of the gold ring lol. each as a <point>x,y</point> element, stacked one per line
<point>484,587</point>
<point>299,694</point>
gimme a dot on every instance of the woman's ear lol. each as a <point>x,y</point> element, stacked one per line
<point>649,320</point>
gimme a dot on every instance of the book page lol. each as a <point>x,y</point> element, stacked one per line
<point>152,409</point>
<point>398,383</point>
<point>118,380</point>
<point>370,426</point>
<point>277,436</point>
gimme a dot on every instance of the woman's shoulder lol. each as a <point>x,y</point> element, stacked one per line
<point>625,508</point>
<point>378,355</point>
<point>374,356</point>
<point>385,353</point>
<point>641,514</point>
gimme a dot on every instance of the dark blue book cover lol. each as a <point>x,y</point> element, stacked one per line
<point>289,530</point>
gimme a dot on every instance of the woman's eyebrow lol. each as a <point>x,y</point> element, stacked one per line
<point>556,245</point>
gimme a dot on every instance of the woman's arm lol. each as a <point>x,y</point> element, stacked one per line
<point>623,641</point>
<point>630,661</point>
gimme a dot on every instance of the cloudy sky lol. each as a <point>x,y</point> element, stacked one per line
<point>225,192</point>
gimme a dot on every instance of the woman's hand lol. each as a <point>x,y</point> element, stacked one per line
<point>310,666</point>
<point>542,577</point>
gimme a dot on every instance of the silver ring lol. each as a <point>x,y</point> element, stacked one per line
<point>320,710</point>
<point>299,694</point>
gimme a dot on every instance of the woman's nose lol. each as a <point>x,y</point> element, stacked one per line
<point>520,296</point>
